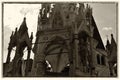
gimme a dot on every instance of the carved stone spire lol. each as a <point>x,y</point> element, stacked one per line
<point>108,44</point>
<point>31,37</point>
<point>23,28</point>
<point>108,47</point>
<point>9,48</point>
<point>113,43</point>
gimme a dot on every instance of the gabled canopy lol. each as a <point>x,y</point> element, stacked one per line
<point>96,35</point>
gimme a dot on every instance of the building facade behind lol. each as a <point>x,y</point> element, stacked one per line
<point>67,43</point>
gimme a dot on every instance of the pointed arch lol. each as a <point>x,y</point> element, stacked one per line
<point>57,53</point>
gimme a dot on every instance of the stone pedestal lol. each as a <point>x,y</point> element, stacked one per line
<point>40,65</point>
<point>40,69</point>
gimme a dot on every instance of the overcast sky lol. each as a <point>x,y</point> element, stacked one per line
<point>103,13</point>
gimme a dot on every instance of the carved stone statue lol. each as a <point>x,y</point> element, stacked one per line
<point>83,54</point>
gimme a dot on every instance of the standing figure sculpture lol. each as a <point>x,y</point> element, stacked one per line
<point>83,53</point>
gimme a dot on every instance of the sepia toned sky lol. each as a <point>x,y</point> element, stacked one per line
<point>103,13</point>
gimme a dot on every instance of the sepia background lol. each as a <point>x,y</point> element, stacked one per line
<point>105,15</point>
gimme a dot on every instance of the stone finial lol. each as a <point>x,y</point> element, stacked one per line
<point>87,6</point>
<point>31,37</point>
<point>15,29</point>
<point>112,35</point>
<point>24,18</point>
<point>12,35</point>
<point>107,41</point>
